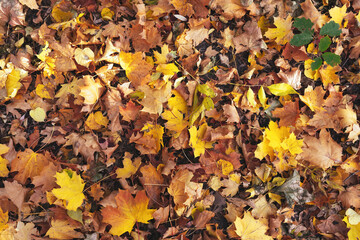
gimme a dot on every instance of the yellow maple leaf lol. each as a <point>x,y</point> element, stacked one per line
<point>292,144</point>
<point>281,143</point>
<point>129,211</point>
<point>4,218</point>
<point>196,141</point>
<point>161,57</point>
<point>177,102</point>
<point>248,228</point>
<point>337,14</point>
<point>62,229</point>
<point>167,69</point>
<point>96,120</point>
<point>282,33</point>
<point>71,189</point>
<point>226,167</point>
<point>328,74</point>
<point>129,168</point>
<point>156,132</point>
<point>175,121</point>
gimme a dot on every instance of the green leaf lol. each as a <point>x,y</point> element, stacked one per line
<point>331,29</point>
<point>302,38</point>
<point>205,89</point>
<point>303,24</point>
<point>316,64</point>
<point>331,58</point>
<point>76,215</point>
<point>324,43</point>
<point>282,89</point>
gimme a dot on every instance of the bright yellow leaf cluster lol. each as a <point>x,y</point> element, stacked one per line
<point>71,189</point>
<point>281,145</point>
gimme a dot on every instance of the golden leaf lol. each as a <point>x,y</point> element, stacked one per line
<point>71,189</point>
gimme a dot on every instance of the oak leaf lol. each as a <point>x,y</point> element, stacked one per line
<point>129,211</point>
<point>248,228</point>
<point>29,164</point>
<point>323,152</point>
<point>71,189</point>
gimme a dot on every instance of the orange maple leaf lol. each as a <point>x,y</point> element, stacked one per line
<point>129,211</point>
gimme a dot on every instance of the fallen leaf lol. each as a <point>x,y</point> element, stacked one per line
<point>282,33</point>
<point>71,189</point>
<point>62,229</point>
<point>323,152</point>
<point>129,211</point>
<point>29,164</point>
<point>248,228</point>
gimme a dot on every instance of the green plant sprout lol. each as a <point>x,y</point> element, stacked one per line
<point>306,35</point>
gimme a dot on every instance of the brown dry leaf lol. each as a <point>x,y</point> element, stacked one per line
<point>153,183</point>
<point>333,224</point>
<point>85,144</point>
<point>288,114</point>
<point>29,164</point>
<point>96,192</point>
<point>161,215</point>
<point>229,9</point>
<point>46,178</point>
<point>323,152</point>
<point>250,39</point>
<point>15,192</point>
<point>263,209</point>
<point>155,98</point>
<point>312,13</point>
<point>202,218</point>
<point>12,12</point>
<point>350,197</point>
<point>25,231</point>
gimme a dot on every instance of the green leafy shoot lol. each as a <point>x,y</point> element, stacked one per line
<point>324,44</point>
<point>316,64</point>
<point>331,29</point>
<point>331,58</point>
<point>305,37</point>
